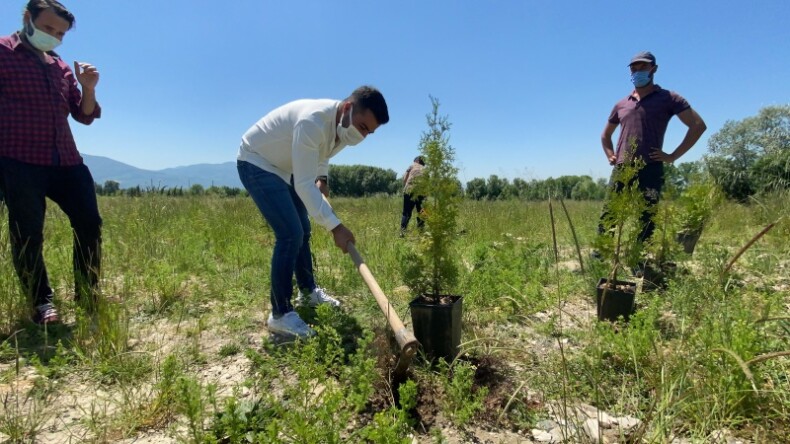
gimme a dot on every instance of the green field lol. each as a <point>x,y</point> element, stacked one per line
<point>180,352</point>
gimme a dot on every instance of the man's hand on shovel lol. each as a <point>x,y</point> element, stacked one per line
<point>342,237</point>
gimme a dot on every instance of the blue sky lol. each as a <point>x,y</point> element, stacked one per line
<point>527,84</point>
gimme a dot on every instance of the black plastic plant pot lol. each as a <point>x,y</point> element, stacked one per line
<point>437,325</point>
<point>615,301</point>
<point>689,240</point>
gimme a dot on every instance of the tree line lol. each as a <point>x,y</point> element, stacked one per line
<point>745,158</point>
<point>363,180</point>
<point>113,188</point>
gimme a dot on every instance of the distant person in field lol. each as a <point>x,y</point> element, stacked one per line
<point>283,163</point>
<point>643,116</point>
<point>411,201</point>
<point>38,155</point>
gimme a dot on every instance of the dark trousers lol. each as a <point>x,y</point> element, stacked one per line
<point>410,202</point>
<point>651,181</point>
<point>25,188</point>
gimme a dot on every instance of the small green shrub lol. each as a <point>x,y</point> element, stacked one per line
<point>433,268</point>
<point>696,204</point>
<point>462,400</point>
<point>394,424</point>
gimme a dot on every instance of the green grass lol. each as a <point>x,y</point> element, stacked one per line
<point>179,348</point>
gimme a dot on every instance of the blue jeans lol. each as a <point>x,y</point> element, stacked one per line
<point>287,216</point>
<point>25,188</point>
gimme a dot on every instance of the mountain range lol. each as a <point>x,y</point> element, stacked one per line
<point>205,174</point>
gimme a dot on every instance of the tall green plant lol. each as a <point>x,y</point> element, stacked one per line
<point>433,267</point>
<point>696,205</point>
<point>624,208</point>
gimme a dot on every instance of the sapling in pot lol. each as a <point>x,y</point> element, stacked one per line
<point>621,244</point>
<point>430,269</point>
<point>695,206</point>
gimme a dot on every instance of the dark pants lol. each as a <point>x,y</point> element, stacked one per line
<point>25,188</point>
<point>410,202</point>
<point>651,181</point>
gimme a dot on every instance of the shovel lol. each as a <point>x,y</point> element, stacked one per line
<point>406,341</point>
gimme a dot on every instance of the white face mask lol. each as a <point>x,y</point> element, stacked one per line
<point>40,39</point>
<point>350,135</point>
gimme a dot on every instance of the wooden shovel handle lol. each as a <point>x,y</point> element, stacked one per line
<point>405,338</point>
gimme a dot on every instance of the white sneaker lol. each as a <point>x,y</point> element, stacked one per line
<point>317,297</point>
<point>290,324</point>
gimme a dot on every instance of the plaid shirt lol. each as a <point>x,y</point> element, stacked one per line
<point>36,99</point>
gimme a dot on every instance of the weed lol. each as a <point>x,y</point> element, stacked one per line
<point>194,400</point>
<point>229,350</point>
<point>23,416</point>
<point>24,412</point>
<point>462,399</point>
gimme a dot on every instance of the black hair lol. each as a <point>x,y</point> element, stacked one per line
<point>36,6</point>
<point>368,97</point>
<point>419,160</point>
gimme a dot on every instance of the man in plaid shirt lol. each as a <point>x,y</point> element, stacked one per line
<point>38,156</point>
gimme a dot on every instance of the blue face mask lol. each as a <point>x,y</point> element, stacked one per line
<point>640,78</point>
<point>40,39</point>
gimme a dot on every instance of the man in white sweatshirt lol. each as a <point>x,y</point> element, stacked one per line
<point>283,163</point>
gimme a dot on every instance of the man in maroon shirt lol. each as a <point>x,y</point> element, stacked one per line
<point>38,156</point>
<point>643,117</point>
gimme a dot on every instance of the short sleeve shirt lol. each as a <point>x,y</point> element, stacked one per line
<point>414,171</point>
<point>644,122</point>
